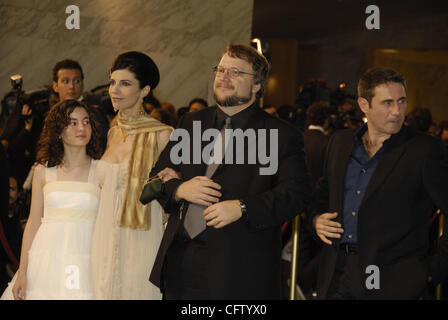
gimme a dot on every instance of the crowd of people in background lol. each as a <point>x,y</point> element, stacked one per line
<point>318,113</point>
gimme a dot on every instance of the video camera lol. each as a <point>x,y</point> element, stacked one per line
<point>37,100</point>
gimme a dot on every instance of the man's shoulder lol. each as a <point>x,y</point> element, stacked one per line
<point>314,133</point>
<point>421,140</point>
<point>272,122</point>
<point>199,115</point>
<point>343,135</point>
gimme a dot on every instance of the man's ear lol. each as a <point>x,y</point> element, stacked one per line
<point>363,105</point>
<point>256,88</point>
<point>55,87</point>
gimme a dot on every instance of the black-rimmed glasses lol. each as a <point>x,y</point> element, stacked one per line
<point>232,72</point>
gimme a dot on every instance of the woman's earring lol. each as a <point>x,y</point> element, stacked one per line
<point>142,109</point>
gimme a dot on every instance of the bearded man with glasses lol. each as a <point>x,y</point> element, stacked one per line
<point>223,238</point>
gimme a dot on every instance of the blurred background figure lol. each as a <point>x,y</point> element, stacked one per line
<point>181,111</point>
<point>14,224</point>
<point>420,119</point>
<point>171,110</point>
<point>6,255</point>
<point>150,103</point>
<point>19,203</point>
<point>315,139</point>
<point>433,129</point>
<point>162,115</point>
<point>271,110</point>
<point>197,104</point>
<point>442,132</point>
<point>287,113</point>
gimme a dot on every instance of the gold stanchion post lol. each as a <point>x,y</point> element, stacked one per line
<point>294,254</point>
<point>440,233</point>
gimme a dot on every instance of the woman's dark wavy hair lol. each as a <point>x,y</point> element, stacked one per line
<point>50,149</point>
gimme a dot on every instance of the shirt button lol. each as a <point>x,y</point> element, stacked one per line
<point>363,170</point>
<point>358,191</point>
<point>353,213</point>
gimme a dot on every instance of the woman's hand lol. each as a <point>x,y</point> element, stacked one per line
<point>167,174</point>
<point>19,288</point>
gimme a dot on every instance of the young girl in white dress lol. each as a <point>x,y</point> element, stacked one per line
<point>55,258</point>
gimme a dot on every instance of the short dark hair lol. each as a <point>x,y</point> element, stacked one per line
<point>198,100</point>
<point>259,63</point>
<point>66,64</point>
<point>375,77</point>
<point>317,113</point>
<point>141,65</point>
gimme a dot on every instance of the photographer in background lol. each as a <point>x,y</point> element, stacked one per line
<point>24,114</point>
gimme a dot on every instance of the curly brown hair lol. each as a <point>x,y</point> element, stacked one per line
<point>50,149</point>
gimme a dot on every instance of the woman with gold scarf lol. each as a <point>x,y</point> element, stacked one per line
<point>127,234</point>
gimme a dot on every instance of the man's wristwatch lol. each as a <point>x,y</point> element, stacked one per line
<point>243,209</point>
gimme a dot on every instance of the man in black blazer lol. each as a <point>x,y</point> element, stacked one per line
<point>315,139</point>
<point>238,255</point>
<point>373,205</point>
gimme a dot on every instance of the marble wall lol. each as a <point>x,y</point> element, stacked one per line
<point>184,37</point>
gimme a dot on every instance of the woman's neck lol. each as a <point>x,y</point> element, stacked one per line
<point>131,112</point>
<point>75,157</point>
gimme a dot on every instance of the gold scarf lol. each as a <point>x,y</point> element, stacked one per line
<point>134,215</point>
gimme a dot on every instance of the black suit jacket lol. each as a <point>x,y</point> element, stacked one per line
<point>243,257</point>
<point>315,146</point>
<point>393,219</point>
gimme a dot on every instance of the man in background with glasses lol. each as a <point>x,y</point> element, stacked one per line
<point>223,238</point>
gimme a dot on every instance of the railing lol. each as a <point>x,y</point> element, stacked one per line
<point>440,233</point>
<point>295,293</point>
